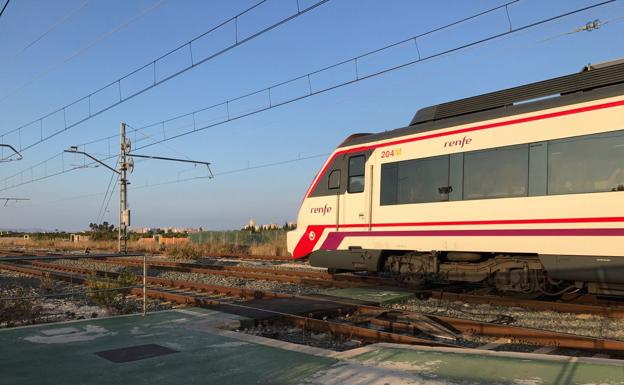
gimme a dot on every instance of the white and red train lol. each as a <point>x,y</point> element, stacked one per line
<point>522,189</point>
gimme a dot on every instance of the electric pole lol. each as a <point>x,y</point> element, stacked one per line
<point>127,163</point>
<point>124,212</point>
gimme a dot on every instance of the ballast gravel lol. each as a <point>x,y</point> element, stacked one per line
<point>54,301</point>
<point>217,280</point>
<point>578,324</point>
<point>213,261</point>
<point>253,284</point>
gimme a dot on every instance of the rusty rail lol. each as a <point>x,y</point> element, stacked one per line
<point>609,309</point>
<point>467,327</point>
<point>293,276</point>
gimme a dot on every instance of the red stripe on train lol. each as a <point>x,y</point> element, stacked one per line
<point>314,232</point>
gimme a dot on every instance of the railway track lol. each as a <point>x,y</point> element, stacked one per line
<point>605,308</point>
<point>595,306</point>
<point>296,277</point>
<point>340,317</point>
<point>284,275</point>
<point>579,305</point>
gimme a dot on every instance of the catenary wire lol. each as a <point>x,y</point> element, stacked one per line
<point>64,19</point>
<point>4,7</point>
<point>420,59</point>
<point>84,49</point>
<point>117,83</point>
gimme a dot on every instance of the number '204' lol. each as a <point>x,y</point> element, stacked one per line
<point>390,153</point>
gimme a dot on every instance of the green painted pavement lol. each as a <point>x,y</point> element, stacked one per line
<point>65,354</point>
<point>464,369</point>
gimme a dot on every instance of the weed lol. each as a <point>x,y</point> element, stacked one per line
<point>111,293</point>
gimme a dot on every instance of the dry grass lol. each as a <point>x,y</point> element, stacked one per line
<point>57,245</point>
<point>276,247</point>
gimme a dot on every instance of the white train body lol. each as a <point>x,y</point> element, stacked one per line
<point>541,181</point>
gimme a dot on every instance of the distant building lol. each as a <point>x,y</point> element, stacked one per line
<point>175,230</point>
<point>161,240</point>
<point>252,225</point>
<point>76,238</point>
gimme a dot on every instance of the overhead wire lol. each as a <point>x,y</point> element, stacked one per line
<point>4,7</point>
<point>83,49</point>
<point>150,137</point>
<point>357,78</point>
<point>233,171</point>
<point>108,201</point>
<point>65,18</point>
<point>192,63</point>
<point>429,32</point>
<point>110,184</point>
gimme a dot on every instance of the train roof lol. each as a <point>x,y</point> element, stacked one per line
<point>593,82</point>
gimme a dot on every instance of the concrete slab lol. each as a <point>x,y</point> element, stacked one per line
<point>372,295</point>
<point>184,347</point>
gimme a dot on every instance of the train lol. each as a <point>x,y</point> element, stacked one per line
<point>520,189</point>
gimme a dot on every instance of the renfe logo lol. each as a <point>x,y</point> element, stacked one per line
<point>321,210</point>
<point>458,142</point>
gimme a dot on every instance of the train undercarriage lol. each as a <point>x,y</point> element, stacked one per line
<point>516,274</point>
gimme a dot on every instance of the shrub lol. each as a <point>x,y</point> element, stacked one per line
<point>111,293</point>
<point>46,283</point>
<point>184,251</point>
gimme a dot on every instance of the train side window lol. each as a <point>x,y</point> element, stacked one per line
<point>356,173</point>
<point>592,163</point>
<point>496,173</point>
<point>334,180</point>
<point>415,181</point>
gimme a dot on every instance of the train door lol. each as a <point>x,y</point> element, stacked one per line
<point>355,203</point>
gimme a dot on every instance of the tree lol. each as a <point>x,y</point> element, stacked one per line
<point>103,231</point>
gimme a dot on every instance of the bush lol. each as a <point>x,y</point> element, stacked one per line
<point>185,251</point>
<point>46,283</point>
<point>103,293</point>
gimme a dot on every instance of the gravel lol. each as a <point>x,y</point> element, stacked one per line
<point>89,264</point>
<point>578,324</point>
<point>295,335</point>
<point>267,264</point>
<point>49,306</point>
<point>253,284</point>
<point>209,279</point>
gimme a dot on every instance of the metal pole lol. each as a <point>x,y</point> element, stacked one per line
<point>144,284</point>
<point>123,192</point>
<point>121,150</point>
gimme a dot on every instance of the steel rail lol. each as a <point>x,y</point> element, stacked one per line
<point>299,276</point>
<point>609,309</point>
<point>467,327</point>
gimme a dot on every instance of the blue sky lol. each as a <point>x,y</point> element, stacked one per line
<point>58,69</point>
